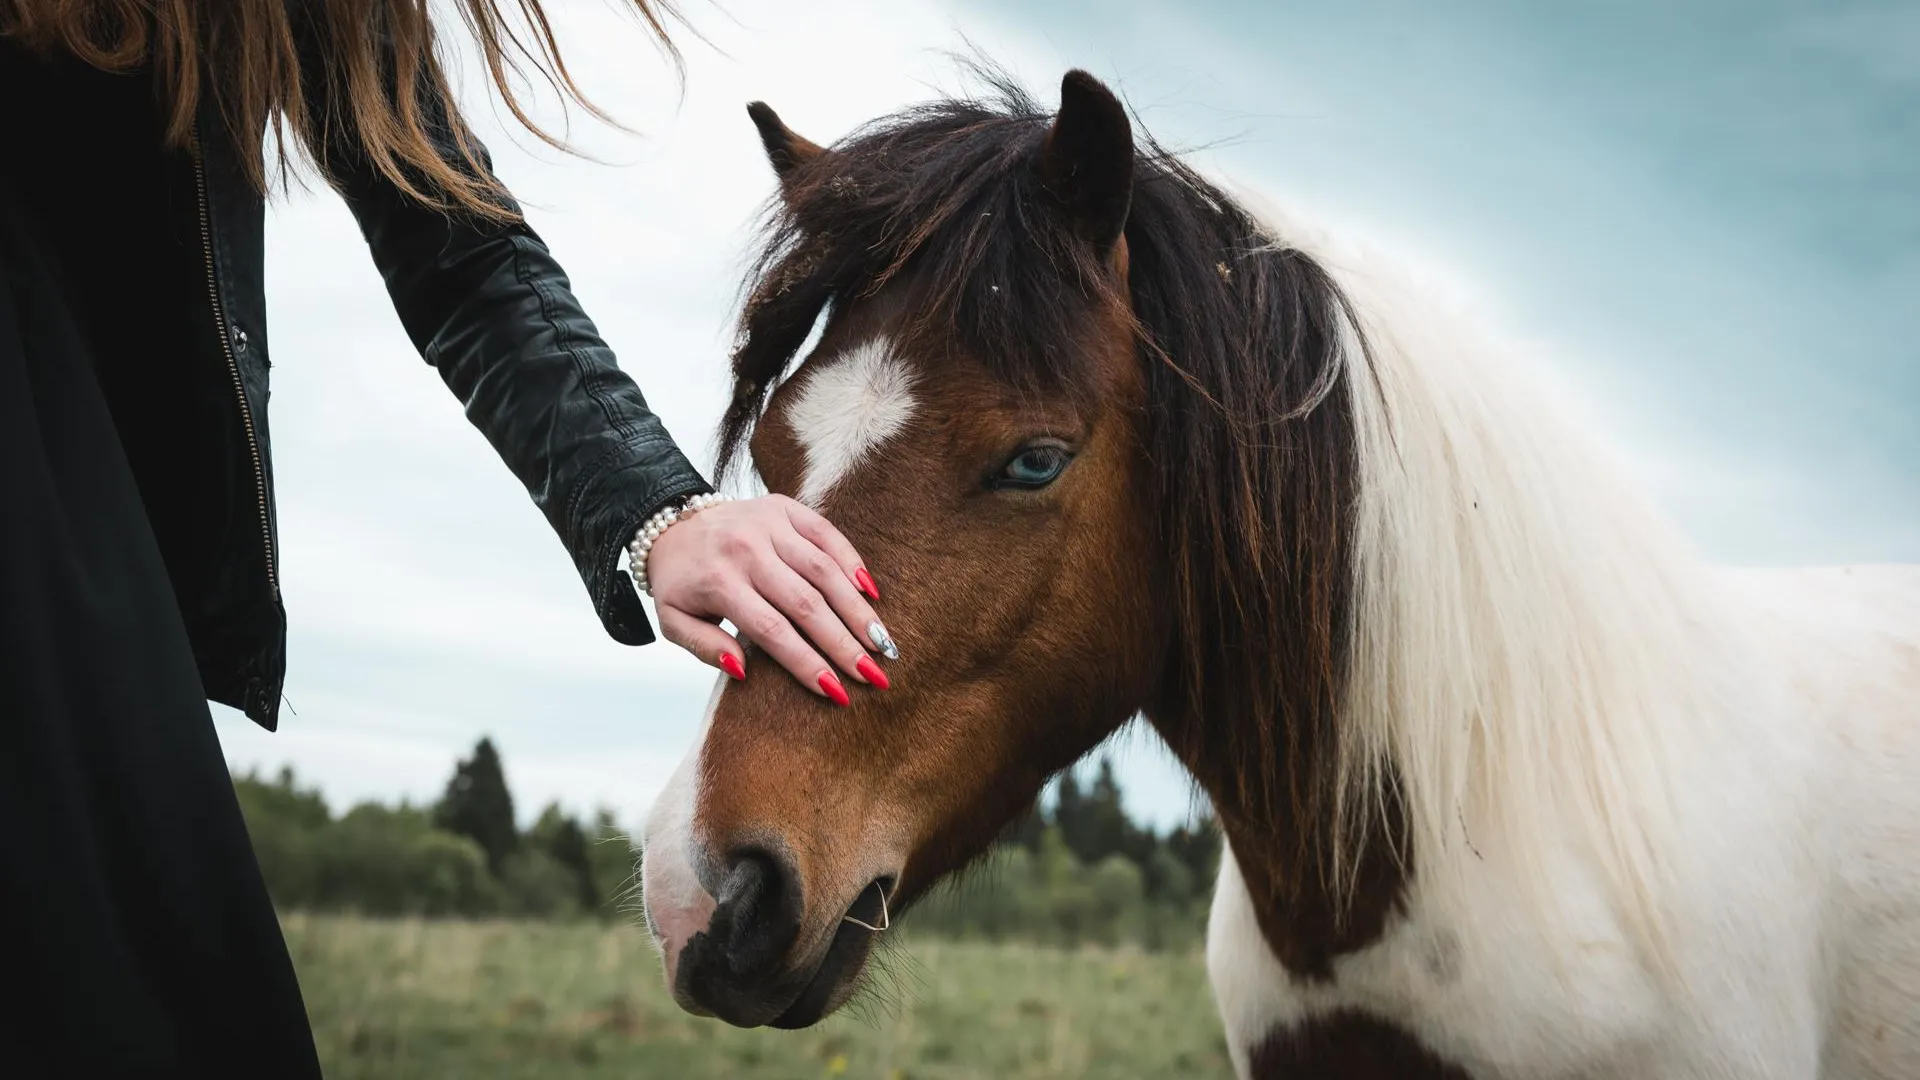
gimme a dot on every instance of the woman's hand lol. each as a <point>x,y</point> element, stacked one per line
<point>776,570</point>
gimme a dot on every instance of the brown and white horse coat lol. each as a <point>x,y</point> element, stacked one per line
<point>1513,784</point>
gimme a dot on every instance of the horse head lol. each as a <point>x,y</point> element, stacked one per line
<point>1059,391</point>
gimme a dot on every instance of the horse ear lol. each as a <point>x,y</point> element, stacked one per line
<point>1087,160</point>
<point>785,150</point>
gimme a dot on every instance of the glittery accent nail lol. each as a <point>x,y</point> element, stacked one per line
<point>878,635</point>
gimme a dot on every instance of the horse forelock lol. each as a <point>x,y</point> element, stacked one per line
<point>941,203</point>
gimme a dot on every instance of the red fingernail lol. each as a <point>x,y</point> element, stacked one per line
<point>830,686</point>
<point>871,672</point>
<point>865,581</point>
<point>731,664</point>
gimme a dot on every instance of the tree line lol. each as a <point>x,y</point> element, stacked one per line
<point>1074,870</point>
<point>1077,870</point>
<point>464,855</point>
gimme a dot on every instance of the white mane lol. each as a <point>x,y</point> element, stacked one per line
<point>1525,634</point>
<point>1662,814</point>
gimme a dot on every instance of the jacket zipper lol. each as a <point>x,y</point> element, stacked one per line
<point>233,363</point>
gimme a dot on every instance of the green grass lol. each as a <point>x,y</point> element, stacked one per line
<point>409,999</point>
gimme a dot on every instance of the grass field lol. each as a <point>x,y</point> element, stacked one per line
<point>416,999</point>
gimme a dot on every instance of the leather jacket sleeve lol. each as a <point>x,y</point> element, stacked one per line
<point>487,305</point>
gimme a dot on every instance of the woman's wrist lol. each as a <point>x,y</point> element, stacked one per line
<point>641,546</point>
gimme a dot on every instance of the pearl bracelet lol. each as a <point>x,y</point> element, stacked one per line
<point>642,544</point>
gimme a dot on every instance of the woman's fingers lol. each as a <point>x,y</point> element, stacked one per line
<point>815,616</point>
<point>855,615</point>
<point>703,639</point>
<point>824,536</point>
<point>772,631</point>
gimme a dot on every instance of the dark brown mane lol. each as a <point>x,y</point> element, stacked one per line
<point>1241,340</point>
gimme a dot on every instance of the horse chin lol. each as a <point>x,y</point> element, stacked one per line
<point>833,982</point>
<point>838,974</point>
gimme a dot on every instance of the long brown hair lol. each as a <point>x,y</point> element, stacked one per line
<point>375,77</point>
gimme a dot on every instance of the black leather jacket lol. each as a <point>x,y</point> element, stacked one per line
<point>493,312</point>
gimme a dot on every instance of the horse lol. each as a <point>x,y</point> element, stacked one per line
<point>1512,781</point>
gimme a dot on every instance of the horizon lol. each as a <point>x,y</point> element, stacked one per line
<point>527,811</point>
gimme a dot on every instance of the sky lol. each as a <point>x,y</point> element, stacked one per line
<point>1702,215</point>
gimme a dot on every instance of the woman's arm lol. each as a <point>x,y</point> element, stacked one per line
<point>490,308</point>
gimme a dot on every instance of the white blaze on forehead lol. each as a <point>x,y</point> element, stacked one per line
<point>846,406</point>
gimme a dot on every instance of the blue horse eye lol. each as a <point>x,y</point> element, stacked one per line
<point>1035,467</point>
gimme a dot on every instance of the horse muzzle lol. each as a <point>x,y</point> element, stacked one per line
<point>749,966</point>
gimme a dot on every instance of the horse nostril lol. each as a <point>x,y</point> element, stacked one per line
<point>760,902</point>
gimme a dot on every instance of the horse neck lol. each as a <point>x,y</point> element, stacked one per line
<point>1312,907</point>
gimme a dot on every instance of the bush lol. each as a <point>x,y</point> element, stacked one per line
<point>1051,897</point>
<point>537,885</point>
<point>615,865</point>
<point>384,861</point>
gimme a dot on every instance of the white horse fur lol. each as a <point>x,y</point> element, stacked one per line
<point>1665,816</point>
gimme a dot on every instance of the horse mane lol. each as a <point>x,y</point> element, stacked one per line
<point>1402,597</point>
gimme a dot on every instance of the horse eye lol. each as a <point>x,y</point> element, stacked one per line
<point>1033,467</point>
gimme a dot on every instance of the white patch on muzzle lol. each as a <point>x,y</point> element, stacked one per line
<point>677,906</point>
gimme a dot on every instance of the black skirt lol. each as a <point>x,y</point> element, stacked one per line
<point>136,935</point>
